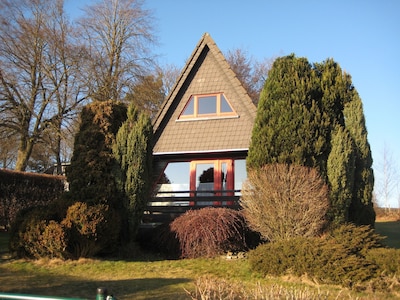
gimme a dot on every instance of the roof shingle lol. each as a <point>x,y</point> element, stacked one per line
<point>207,71</point>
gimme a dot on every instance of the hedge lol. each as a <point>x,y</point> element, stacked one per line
<point>20,190</point>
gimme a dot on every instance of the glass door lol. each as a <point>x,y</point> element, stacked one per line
<point>204,178</point>
<point>211,178</point>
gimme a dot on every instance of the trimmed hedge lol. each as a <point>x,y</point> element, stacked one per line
<point>20,190</point>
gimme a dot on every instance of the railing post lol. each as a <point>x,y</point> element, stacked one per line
<point>101,293</point>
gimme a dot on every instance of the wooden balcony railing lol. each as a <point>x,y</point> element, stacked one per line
<point>166,206</point>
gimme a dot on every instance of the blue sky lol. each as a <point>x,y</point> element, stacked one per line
<point>363,36</point>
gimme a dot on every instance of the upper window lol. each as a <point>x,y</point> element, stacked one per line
<point>205,106</point>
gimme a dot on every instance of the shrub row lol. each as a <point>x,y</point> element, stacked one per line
<point>349,256</point>
<point>20,190</point>
<point>322,260</point>
<point>85,231</point>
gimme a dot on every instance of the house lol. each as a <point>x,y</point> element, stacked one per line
<point>202,135</point>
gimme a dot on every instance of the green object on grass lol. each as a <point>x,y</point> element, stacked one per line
<point>4,296</point>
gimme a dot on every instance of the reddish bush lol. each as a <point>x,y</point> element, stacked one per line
<point>209,232</point>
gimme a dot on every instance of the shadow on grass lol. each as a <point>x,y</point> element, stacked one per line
<point>23,282</point>
<point>391,230</point>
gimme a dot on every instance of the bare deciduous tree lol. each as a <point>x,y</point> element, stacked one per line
<point>250,72</point>
<point>38,62</point>
<point>388,179</point>
<point>8,150</point>
<point>283,201</point>
<point>170,74</point>
<point>119,38</point>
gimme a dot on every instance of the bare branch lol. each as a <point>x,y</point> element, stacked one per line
<point>283,201</point>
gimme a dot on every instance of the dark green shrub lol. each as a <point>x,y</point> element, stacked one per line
<point>387,259</point>
<point>300,108</point>
<point>356,239</point>
<point>320,259</point>
<point>162,240</point>
<point>36,234</point>
<point>92,173</point>
<point>93,229</point>
<point>209,232</point>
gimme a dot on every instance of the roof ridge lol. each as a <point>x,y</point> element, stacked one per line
<point>205,36</point>
<point>206,41</point>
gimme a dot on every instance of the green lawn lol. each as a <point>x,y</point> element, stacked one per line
<point>158,279</point>
<point>155,278</point>
<point>391,230</point>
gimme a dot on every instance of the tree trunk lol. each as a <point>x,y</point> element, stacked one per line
<point>24,152</point>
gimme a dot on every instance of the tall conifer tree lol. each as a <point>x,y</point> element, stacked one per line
<point>361,210</point>
<point>311,115</point>
<point>341,168</point>
<point>289,119</point>
<point>133,151</point>
<point>91,175</point>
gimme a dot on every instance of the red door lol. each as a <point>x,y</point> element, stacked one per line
<point>211,178</point>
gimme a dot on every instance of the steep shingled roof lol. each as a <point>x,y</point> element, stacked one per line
<point>205,72</point>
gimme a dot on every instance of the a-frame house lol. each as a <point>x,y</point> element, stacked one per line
<point>202,134</point>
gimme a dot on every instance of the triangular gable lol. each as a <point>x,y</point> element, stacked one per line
<point>206,72</point>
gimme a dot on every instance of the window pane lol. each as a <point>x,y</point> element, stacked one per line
<point>207,105</point>
<point>224,176</point>
<point>189,109</point>
<point>240,174</point>
<point>175,179</point>
<point>225,108</point>
<point>205,179</point>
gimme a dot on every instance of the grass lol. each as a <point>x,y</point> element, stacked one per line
<point>391,230</point>
<point>155,278</point>
<point>163,279</point>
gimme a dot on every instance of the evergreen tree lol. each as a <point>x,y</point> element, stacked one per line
<point>91,175</point>
<point>133,151</point>
<point>311,115</point>
<point>94,218</point>
<point>341,167</point>
<point>335,90</point>
<point>290,126</point>
<point>361,210</point>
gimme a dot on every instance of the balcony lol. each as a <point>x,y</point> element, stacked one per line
<point>167,205</point>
